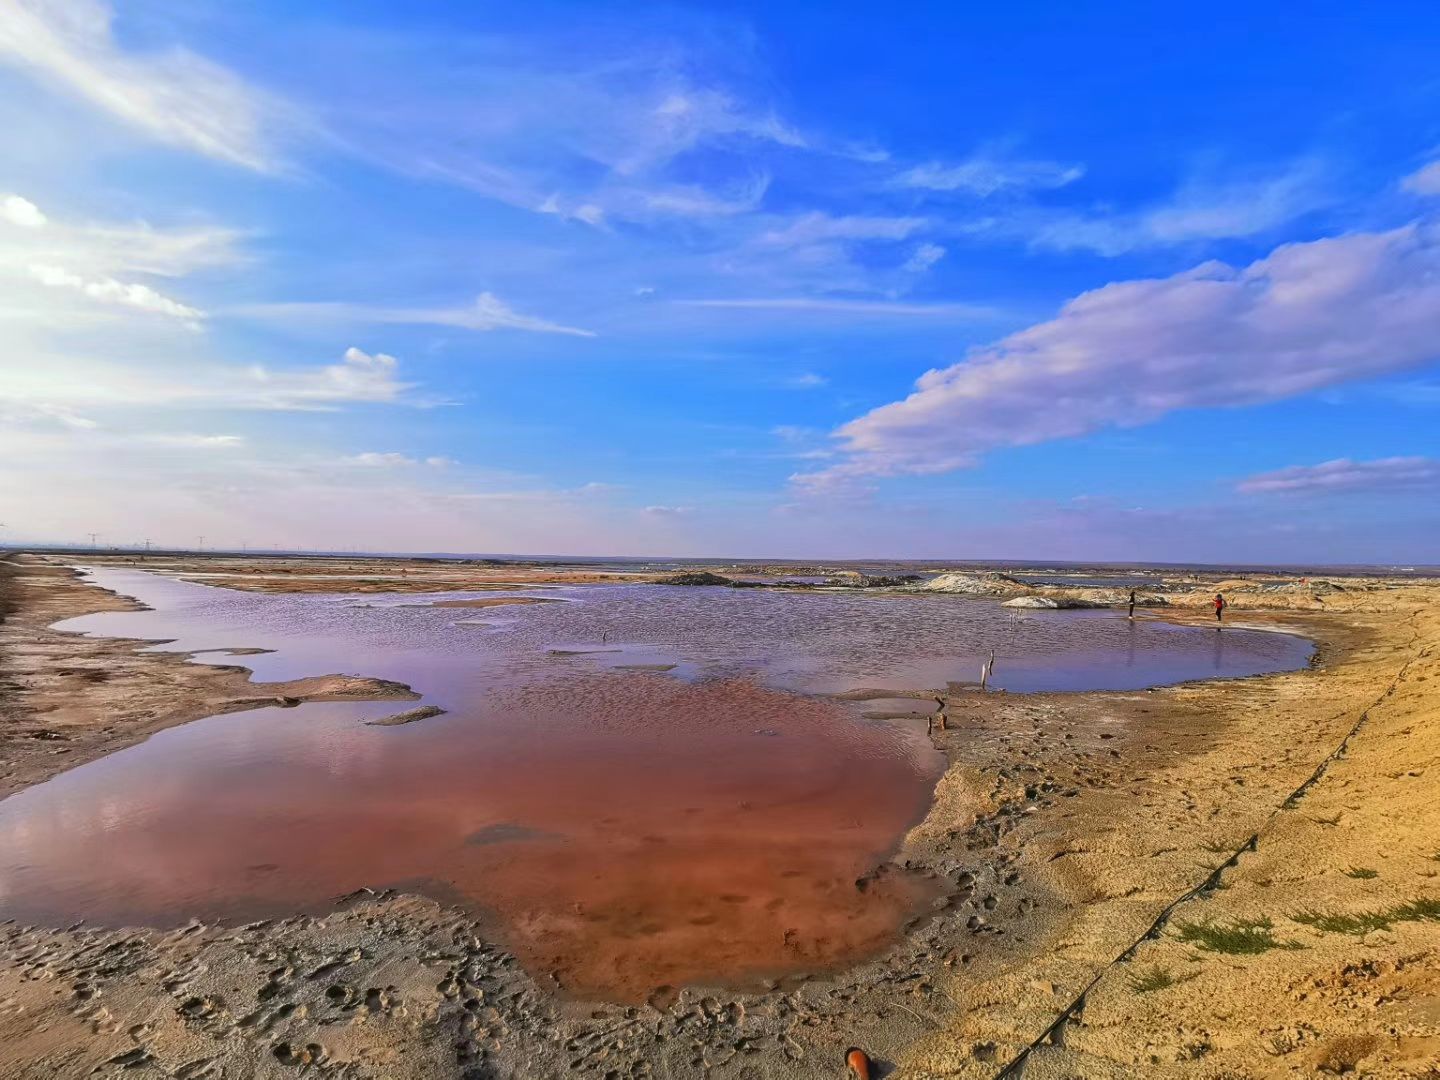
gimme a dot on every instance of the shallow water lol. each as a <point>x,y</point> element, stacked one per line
<point>635,788</point>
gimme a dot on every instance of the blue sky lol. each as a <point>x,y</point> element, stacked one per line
<point>1040,281</point>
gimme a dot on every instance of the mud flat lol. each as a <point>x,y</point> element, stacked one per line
<point>1066,829</point>
<point>67,699</point>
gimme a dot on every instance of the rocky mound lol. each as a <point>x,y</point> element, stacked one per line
<point>696,577</point>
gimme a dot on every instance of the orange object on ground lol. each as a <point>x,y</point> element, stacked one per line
<point>859,1062</point>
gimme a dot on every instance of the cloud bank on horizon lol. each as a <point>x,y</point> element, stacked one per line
<point>525,281</point>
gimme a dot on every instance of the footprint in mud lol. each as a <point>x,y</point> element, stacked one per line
<point>288,1054</point>
<point>381,1001</point>
<point>200,1069</point>
<point>275,983</point>
<point>133,1059</point>
<point>84,991</point>
<point>104,1023</point>
<point>197,1008</point>
<point>341,996</point>
<point>179,980</point>
<point>263,1021</point>
<point>335,963</point>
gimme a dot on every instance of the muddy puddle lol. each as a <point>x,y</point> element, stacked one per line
<point>637,788</point>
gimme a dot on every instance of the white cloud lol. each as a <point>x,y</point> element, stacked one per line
<point>359,377</point>
<point>693,201</point>
<point>373,459</point>
<point>1424,181</point>
<point>69,383</point>
<point>689,116</point>
<point>173,96</point>
<point>923,258</point>
<point>983,175</point>
<point>488,312</point>
<point>598,136</point>
<point>196,442</point>
<point>1308,315</point>
<point>1343,476</point>
<point>817,227</point>
<point>20,211</point>
<point>109,291</point>
<point>808,380</point>
<point>1201,210</point>
<point>793,432</point>
<point>843,306</point>
<point>43,414</point>
<point>666,511</point>
<point>105,250</point>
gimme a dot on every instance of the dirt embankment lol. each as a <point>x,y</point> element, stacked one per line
<point>66,699</point>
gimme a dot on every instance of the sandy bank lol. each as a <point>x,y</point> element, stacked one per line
<point>1136,825</point>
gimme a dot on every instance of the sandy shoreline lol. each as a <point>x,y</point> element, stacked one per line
<point>1064,825</point>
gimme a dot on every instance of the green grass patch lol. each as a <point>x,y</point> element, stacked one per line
<point>1361,873</point>
<point>1244,937</point>
<point>1156,978</point>
<point>1363,922</point>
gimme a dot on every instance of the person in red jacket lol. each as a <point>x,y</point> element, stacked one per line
<point>1220,606</point>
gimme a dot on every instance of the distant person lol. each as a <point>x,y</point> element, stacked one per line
<point>1220,607</point>
<point>1132,603</point>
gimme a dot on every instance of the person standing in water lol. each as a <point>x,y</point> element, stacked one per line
<point>1132,603</point>
<point>1220,606</point>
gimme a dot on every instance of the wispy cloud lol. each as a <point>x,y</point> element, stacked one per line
<point>1343,476</point>
<point>62,388</point>
<point>985,175</point>
<point>923,258</point>
<point>817,227</point>
<point>1306,316</point>
<point>358,377</point>
<point>808,380</point>
<point>43,414</point>
<point>372,459</point>
<point>29,237</point>
<point>109,291</point>
<point>585,132</point>
<point>1201,210</point>
<point>488,312</point>
<point>1424,181</point>
<point>843,306</point>
<point>193,441</point>
<point>173,96</point>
